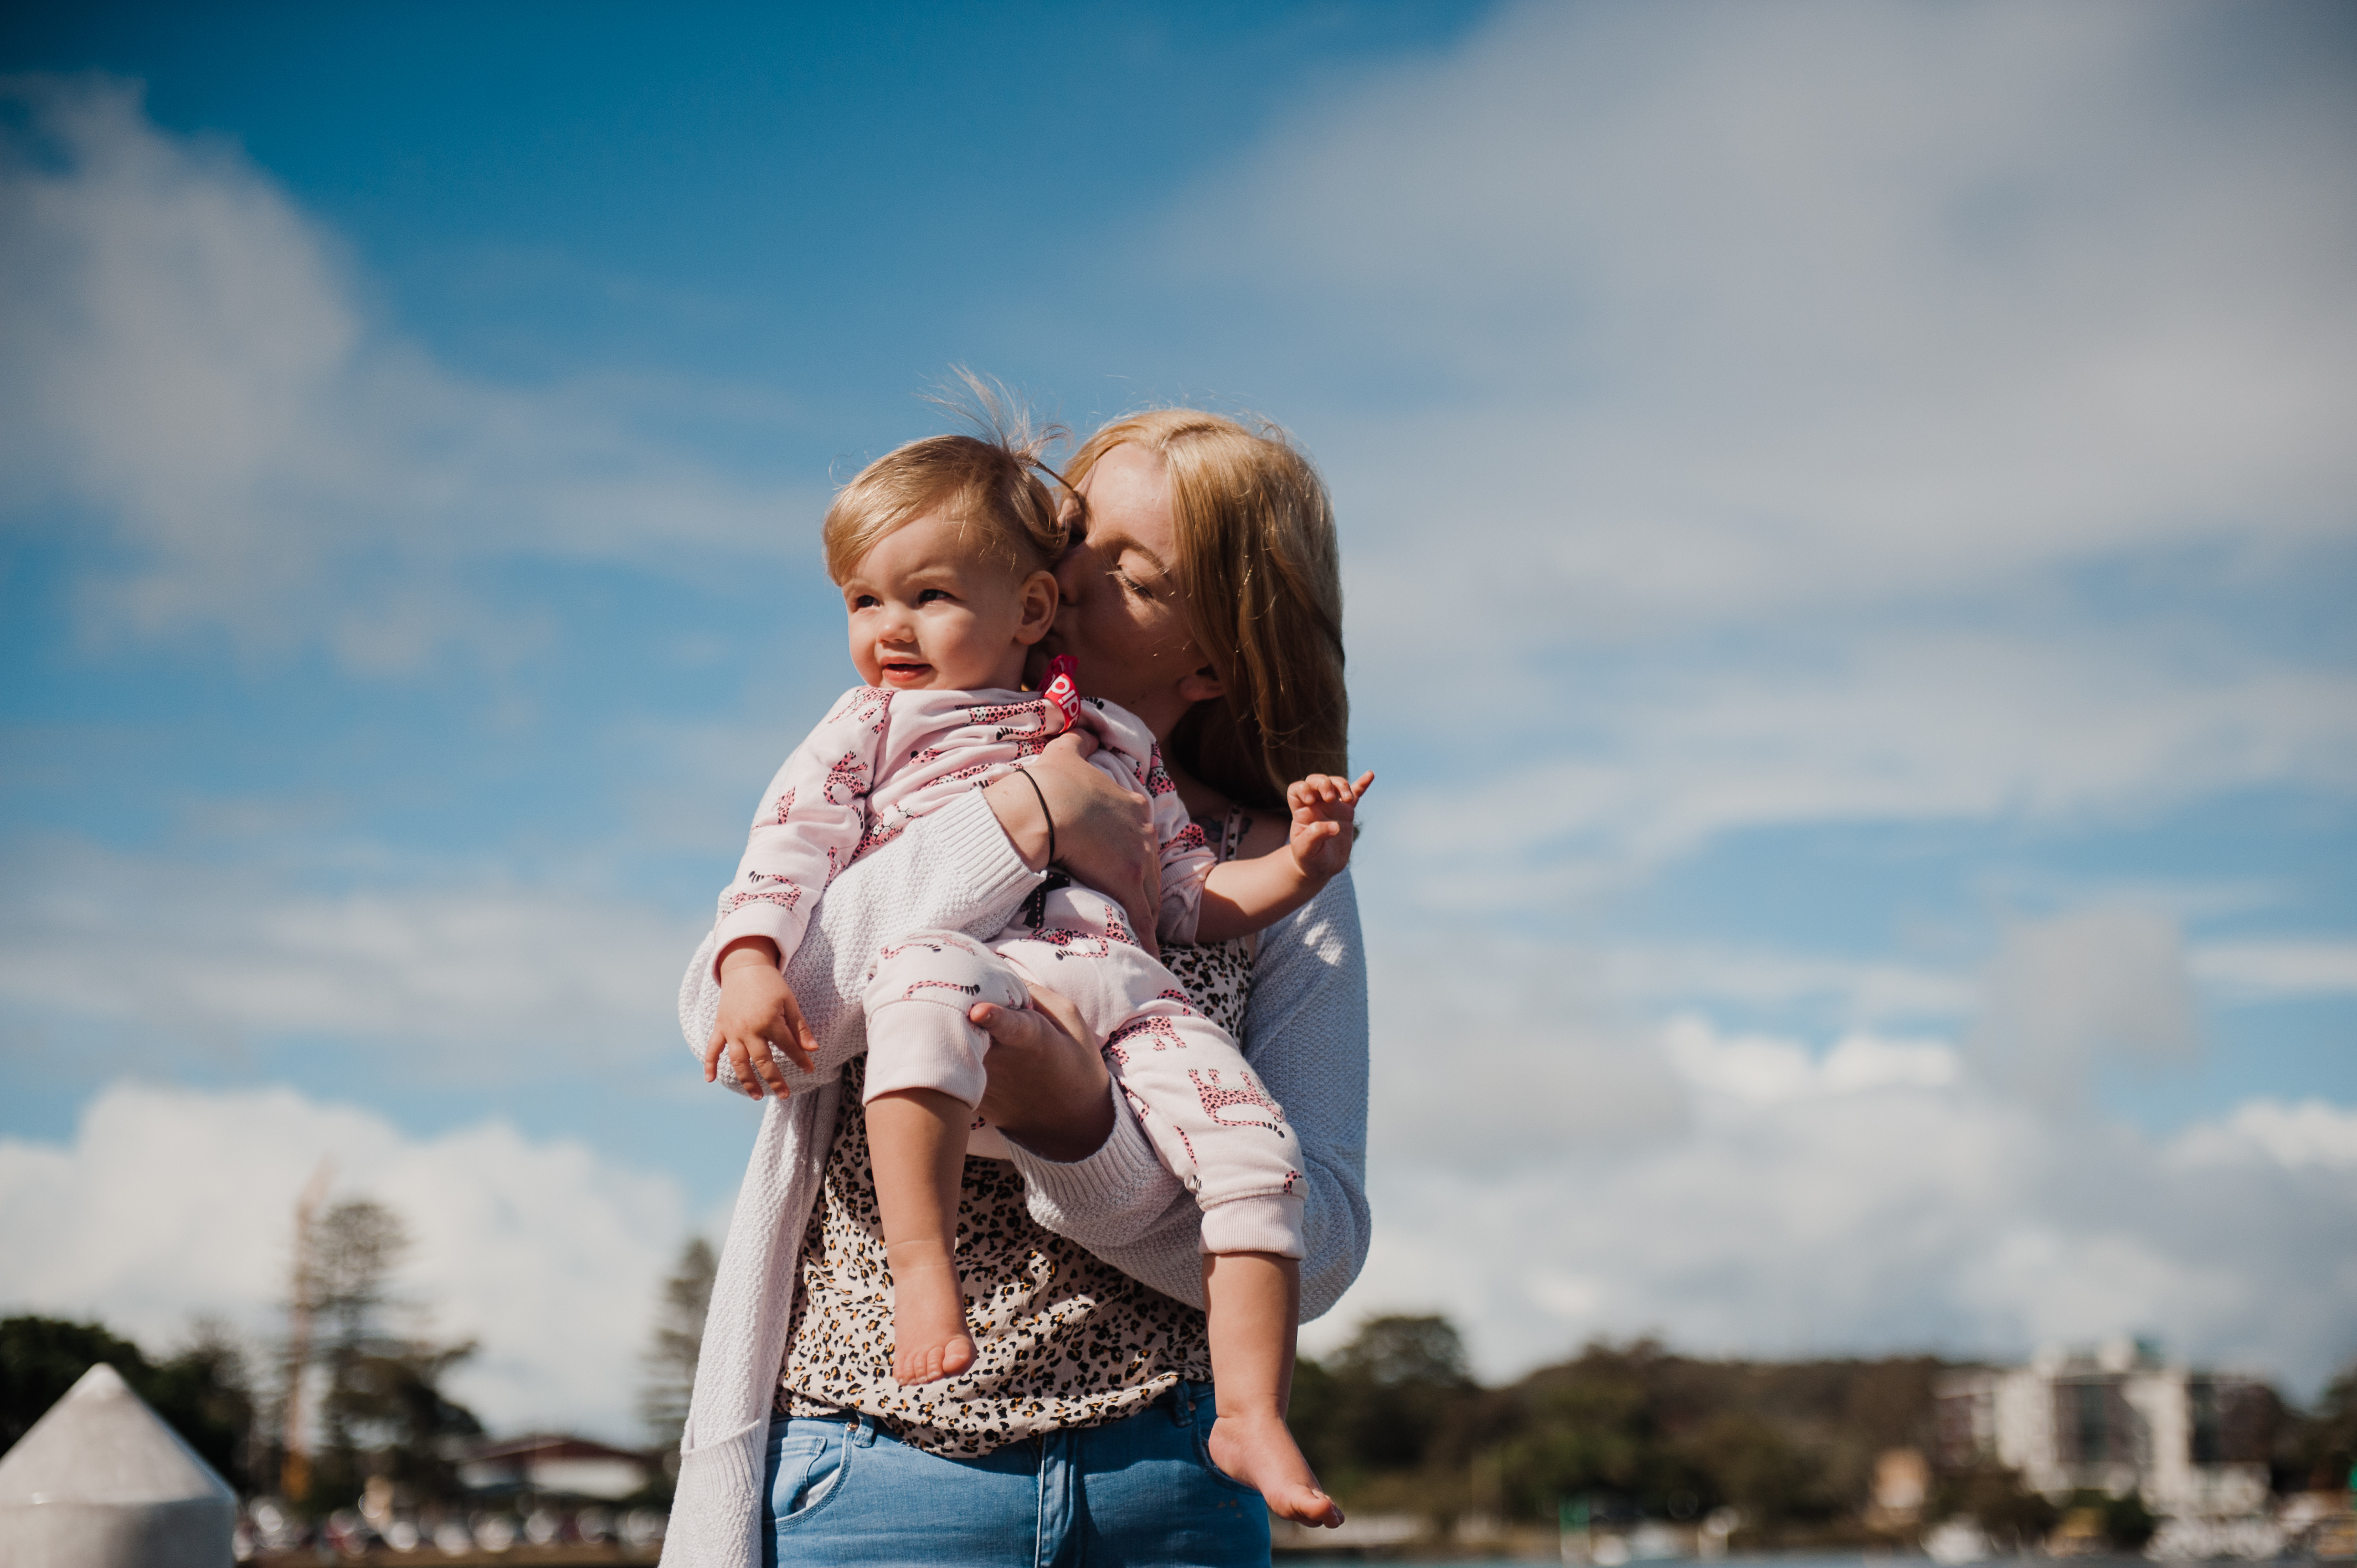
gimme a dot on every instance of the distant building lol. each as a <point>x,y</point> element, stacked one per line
<point>550,1462</point>
<point>2194,1444</point>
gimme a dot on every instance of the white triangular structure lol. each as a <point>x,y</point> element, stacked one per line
<point>100,1482</point>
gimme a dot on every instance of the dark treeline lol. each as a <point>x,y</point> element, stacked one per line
<point>1395,1422</point>
<point>203,1390</point>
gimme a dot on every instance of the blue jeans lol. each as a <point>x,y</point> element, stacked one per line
<point>1141,1491</point>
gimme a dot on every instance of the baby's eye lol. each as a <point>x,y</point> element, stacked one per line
<point>930,595</point>
<point>864,601</point>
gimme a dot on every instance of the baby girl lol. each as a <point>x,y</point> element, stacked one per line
<point>942,550</point>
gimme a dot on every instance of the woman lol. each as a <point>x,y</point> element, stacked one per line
<point>1201,592</point>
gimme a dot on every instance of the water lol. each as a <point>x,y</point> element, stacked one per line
<point>1765,1560</point>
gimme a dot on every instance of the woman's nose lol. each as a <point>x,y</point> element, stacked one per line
<point>1069,575</point>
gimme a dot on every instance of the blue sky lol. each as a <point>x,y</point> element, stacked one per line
<point>1849,515</point>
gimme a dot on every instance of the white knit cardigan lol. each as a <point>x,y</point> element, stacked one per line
<point>1304,1035</point>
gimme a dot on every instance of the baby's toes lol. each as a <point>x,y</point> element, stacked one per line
<point>1305,1504</point>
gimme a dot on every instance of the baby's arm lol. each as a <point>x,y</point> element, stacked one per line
<point>1242,896</point>
<point>806,830</point>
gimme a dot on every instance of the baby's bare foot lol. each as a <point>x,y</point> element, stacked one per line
<point>1257,1449</point>
<point>929,1337</point>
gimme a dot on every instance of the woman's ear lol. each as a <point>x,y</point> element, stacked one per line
<point>1201,685</point>
<point>1040,596</point>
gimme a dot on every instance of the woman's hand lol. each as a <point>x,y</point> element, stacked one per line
<point>1048,1089</point>
<point>758,1010</point>
<point>1105,833</point>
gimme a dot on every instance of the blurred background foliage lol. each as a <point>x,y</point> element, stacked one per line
<point>1395,1422</point>
<point>203,1390</point>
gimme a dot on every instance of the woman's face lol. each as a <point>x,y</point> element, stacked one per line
<point>1123,617</point>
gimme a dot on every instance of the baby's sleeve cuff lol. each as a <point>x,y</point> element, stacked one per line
<point>1270,1223</point>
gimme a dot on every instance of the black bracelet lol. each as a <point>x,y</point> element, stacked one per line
<point>1048,815</point>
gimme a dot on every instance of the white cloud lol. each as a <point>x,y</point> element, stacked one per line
<point>1865,1198</point>
<point>1606,778</point>
<point>188,375</point>
<point>2309,1133</point>
<point>1820,413</point>
<point>1865,990</point>
<point>2286,967</point>
<point>1791,306</point>
<point>166,1203</point>
<point>229,953</point>
<point>2066,993</point>
<point>1763,1069</point>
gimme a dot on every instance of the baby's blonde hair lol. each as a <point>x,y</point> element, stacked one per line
<point>991,484</point>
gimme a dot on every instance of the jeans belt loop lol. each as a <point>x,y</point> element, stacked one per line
<point>866,1434</point>
<point>1182,1405</point>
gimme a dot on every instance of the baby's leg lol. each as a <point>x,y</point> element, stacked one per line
<point>1254,1299</point>
<point>925,1075</point>
<point>917,1140</point>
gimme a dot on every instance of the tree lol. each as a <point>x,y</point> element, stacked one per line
<point>2011,1515</point>
<point>2318,1448</point>
<point>41,1357</point>
<point>206,1392</point>
<point>384,1411</point>
<point>1386,1408</point>
<point>678,1338</point>
<point>201,1392</point>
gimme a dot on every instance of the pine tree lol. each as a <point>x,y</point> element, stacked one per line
<point>384,1411</point>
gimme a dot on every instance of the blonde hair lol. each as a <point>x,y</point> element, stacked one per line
<point>990,484</point>
<point>1261,573</point>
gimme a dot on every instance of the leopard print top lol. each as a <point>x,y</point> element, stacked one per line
<point>1065,1339</point>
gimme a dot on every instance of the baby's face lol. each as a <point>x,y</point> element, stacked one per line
<point>930,612</point>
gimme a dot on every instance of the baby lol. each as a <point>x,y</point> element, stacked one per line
<point>942,550</point>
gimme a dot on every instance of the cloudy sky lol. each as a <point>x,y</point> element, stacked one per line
<point>1850,514</point>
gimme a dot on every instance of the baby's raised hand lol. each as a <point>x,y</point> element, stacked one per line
<point>1324,808</point>
<point>758,1010</point>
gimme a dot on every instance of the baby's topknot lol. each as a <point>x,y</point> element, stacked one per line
<point>994,483</point>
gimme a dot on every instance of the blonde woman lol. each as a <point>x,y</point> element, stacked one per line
<point>1201,593</point>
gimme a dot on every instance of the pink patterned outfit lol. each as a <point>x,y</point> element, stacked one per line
<point>880,760</point>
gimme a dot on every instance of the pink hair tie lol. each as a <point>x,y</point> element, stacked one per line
<point>1063,690</point>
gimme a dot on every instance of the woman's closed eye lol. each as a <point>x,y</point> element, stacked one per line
<point>1132,583</point>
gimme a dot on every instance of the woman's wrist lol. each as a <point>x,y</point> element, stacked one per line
<point>1022,812</point>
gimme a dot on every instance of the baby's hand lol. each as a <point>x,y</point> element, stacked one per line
<point>758,1010</point>
<point>1324,808</point>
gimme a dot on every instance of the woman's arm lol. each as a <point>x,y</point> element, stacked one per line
<point>953,869</point>
<point>1306,1034</point>
<point>965,867</point>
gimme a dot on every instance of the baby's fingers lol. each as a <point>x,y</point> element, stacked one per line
<point>798,1042</point>
<point>740,1063</point>
<point>765,1068</point>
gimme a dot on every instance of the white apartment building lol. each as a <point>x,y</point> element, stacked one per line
<point>2193,1442</point>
